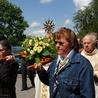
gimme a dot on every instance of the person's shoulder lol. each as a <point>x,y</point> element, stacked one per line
<point>53,61</point>
<point>81,58</point>
<point>85,62</point>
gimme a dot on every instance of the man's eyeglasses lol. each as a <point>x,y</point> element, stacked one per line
<point>60,43</point>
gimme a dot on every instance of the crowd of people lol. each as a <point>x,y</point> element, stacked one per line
<point>72,74</point>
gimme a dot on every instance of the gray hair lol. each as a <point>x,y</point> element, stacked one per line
<point>93,35</point>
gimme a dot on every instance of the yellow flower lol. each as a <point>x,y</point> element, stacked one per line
<point>43,46</point>
<point>41,43</point>
<point>28,49</point>
<point>25,52</point>
<point>35,49</point>
<point>32,52</point>
<point>35,40</point>
<point>30,42</point>
<point>36,44</point>
<point>40,38</point>
<point>47,44</point>
<point>39,49</point>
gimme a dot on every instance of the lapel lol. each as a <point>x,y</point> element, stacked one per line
<point>75,58</point>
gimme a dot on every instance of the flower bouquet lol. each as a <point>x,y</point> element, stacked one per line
<point>42,50</point>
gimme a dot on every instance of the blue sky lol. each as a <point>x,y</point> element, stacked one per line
<point>35,12</point>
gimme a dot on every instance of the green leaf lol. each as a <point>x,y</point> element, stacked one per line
<point>37,60</point>
<point>29,57</point>
<point>46,53</point>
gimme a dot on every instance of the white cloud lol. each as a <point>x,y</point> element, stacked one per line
<point>35,32</point>
<point>35,24</point>
<point>35,29</point>
<point>68,23</point>
<point>79,4</point>
<point>45,1</point>
<point>66,16</point>
<point>40,32</point>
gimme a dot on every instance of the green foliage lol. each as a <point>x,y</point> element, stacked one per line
<point>86,20</point>
<point>38,47</point>
<point>12,23</point>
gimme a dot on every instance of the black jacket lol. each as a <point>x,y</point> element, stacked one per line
<point>8,76</point>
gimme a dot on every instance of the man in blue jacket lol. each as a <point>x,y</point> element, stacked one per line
<point>70,75</point>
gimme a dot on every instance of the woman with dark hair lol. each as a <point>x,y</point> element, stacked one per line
<point>8,72</point>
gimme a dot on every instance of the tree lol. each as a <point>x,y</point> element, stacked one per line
<point>12,23</point>
<point>86,20</point>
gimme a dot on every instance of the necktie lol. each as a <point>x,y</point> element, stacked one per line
<point>59,67</point>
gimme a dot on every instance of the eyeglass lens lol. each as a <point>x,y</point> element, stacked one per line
<point>60,43</point>
<point>1,49</point>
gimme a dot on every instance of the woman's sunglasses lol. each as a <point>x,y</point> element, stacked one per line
<point>60,43</point>
<point>2,50</point>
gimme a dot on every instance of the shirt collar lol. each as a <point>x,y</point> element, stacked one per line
<point>69,56</point>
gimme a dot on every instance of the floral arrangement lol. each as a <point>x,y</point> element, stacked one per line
<point>38,47</point>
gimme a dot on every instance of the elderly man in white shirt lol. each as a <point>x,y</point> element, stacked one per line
<point>91,53</point>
